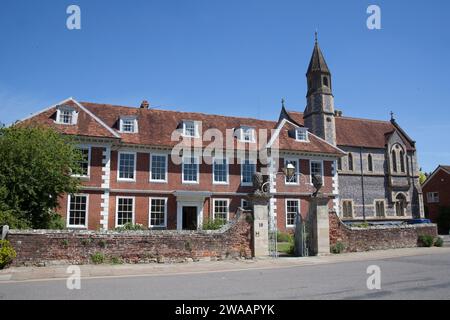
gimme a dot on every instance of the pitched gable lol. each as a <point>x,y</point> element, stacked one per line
<point>86,125</point>
<point>355,132</point>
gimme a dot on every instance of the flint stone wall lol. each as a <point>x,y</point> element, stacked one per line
<point>377,237</point>
<point>46,247</point>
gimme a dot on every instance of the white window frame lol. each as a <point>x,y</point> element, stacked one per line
<point>89,162</point>
<point>69,109</point>
<point>242,135</point>
<point>431,197</point>
<point>118,166</point>
<point>322,170</point>
<point>246,184</point>
<point>150,212</point>
<point>242,203</point>
<point>375,206</point>
<point>196,131</point>
<point>76,226</point>
<point>353,208</point>
<point>135,125</point>
<point>286,211</point>
<point>297,171</point>
<point>227,166</point>
<point>117,210</point>
<point>214,207</point>
<point>166,173</point>
<point>301,130</point>
<point>197,160</point>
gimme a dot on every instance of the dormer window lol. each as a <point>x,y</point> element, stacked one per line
<point>190,129</point>
<point>247,134</point>
<point>128,125</point>
<point>301,134</point>
<point>66,115</point>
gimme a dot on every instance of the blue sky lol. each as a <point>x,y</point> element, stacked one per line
<point>233,57</point>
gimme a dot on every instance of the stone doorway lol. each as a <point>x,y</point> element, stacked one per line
<point>189,218</point>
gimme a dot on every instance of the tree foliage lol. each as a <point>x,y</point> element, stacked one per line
<point>422,177</point>
<point>36,164</point>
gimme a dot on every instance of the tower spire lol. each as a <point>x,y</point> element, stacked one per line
<point>315,36</point>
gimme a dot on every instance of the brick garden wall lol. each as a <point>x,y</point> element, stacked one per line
<point>44,247</point>
<point>377,238</point>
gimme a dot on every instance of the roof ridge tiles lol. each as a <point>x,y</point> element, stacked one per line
<point>179,112</point>
<point>351,118</point>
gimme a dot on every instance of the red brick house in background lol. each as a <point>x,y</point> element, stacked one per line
<point>436,190</point>
<point>130,176</point>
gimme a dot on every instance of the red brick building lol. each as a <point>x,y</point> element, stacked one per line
<point>436,190</point>
<point>130,173</point>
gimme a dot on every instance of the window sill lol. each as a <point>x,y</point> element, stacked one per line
<point>77,227</point>
<point>126,180</point>
<point>190,182</point>
<point>85,178</point>
<point>158,181</point>
<point>246,184</point>
<point>221,183</point>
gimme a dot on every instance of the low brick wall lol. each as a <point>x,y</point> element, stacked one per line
<point>44,247</point>
<point>377,237</point>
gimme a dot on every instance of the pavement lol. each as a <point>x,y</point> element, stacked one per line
<point>59,272</point>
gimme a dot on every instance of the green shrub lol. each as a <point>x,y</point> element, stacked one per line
<point>115,260</point>
<point>337,248</point>
<point>7,253</point>
<point>86,241</point>
<point>284,237</point>
<point>7,217</point>
<point>65,243</point>
<point>56,222</point>
<point>213,224</point>
<point>439,242</point>
<point>364,224</point>
<point>426,240</point>
<point>98,258</point>
<point>130,227</point>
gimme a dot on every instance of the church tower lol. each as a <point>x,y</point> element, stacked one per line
<point>319,112</point>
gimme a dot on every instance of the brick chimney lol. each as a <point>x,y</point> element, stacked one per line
<point>145,104</point>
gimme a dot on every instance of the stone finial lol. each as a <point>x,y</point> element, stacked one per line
<point>145,104</point>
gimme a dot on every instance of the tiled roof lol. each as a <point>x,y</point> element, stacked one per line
<point>317,62</point>
<point>446,168</point>
<point>355,132</point>
<point>155,127</point>
<point>85,126</point>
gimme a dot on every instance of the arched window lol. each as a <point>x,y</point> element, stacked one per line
<point>394,160</point>
<point>400,205</point>
<point>402,161</point>
<point>325,81</point>
<point>350,162</point>
<point>369,163</point>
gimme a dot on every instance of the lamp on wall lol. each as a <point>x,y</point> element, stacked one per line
<point>289,170</point>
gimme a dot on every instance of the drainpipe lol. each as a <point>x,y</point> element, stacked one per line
<point>362,183</point>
